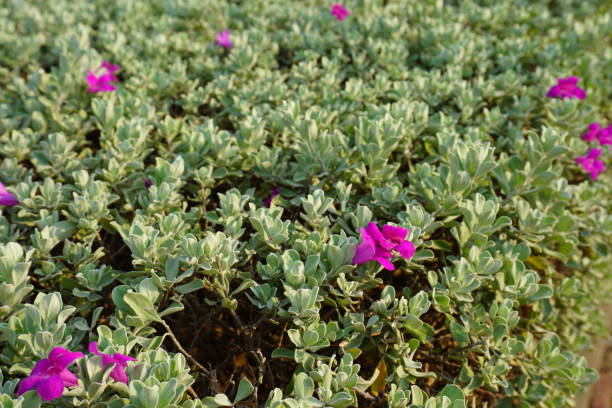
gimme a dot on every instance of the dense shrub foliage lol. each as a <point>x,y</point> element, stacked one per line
<point>429,115</point>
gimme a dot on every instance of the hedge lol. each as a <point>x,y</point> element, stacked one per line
<point>302,204</point>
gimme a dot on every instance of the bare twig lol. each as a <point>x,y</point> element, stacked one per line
<point>260,369</point>
<point>282,336</point>
<point>259,321</point>
<point>182,350</point>
<point>193,393</point>
<point>364,394</point>
<point>201,325</point>
<point>243,329</point>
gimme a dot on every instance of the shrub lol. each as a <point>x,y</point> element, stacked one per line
<point>431,116</point>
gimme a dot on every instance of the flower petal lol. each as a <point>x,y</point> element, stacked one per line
<point>406,249</point>
<point>69,379</point>
<point>394,234</point>
<point>382,253</point>
<point>91,78</point>
<point>594,153</point>
<point>592,132</point>
<point>605,136</point>
<point>268,201</point>
<point>29,383</point>
<point>93,348</point>
<point>579,93</point>
<point>42,366</point>
<point>118,374</point>
<point>572,80</point>
<point>378,237</point>
<point>364,251</point>
<point>51,388</point>
<point>554,92</point>
<point>122,359</point>
<point>110,67</point>
<point>6,197</point>
<point>385,263</point>
<point>63,358</point>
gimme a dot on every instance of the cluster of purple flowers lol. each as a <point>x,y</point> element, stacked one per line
<point>223,38</point>
<point>101,79</point>
<point>51,376</point>
<point>567,88</point>
<point>596,133</point>
<point>378,246</point>
<point>590,163</point>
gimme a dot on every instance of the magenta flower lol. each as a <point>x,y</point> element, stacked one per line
<point>592,131</point>
<point>596,132</point>
<point>50,375</point>
<point>100,80</point>
<point>7,198</point>
<point>567,88</point>
<point>147,182</point>
<point>378,246</point>
<point>223,39</point>
<point>590,163</point>
<point>275,192</point>
<point>119,360</point>
<point>339,11</point>
<point>368,250</point>
<point>605,136</point>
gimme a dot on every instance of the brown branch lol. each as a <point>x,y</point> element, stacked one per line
<point>364,394</point>
<point>193,393</point>
<point>182,350</point>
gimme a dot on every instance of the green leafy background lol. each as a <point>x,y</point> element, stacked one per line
<point>430,115</point>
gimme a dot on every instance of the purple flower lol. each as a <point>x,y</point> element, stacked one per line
<point>50,375</point>
<point>7,198</point>
<point>223,39</point>
<point>102,82</point>
<point>275,192</point>
<point>147,182</point>
<point>339,11</point>
<point>596,132</point>
<point>592,131</point>
<point>377,245</point>
<point>119,360</point>
<point>590,163</point>
<point>566,88</point>
<point>605,136</point>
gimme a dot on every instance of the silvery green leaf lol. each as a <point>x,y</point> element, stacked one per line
<point>142,306</point>
<point>245,388</point>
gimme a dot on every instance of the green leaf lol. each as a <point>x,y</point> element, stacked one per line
<point>245,388</point>
<point>192,286</point>
<point>303,386</point>
<point>453,393</point>
<point>142,306</point>
<point>543,292</point>
<point>222,400</point>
